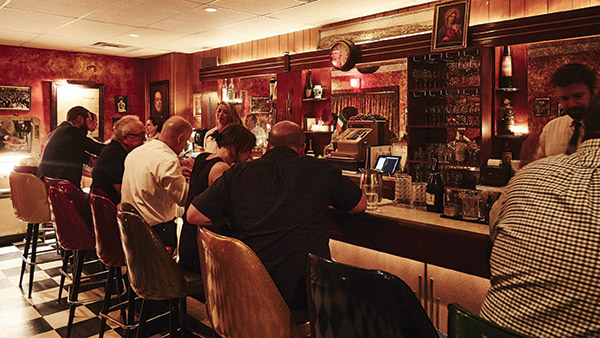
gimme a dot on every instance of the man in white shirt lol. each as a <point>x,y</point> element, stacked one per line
<point>154,181</point>
<point>574,86</point>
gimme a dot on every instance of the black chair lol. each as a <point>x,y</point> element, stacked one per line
<point>464,324</point>
<point>347,301</point>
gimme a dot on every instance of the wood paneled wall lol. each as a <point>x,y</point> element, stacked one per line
<point>482,11</point>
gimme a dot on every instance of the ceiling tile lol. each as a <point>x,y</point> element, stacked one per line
<point>15,38</point>
<point>140,12</point>
<point>259,7</point>
<point>51,41</point>
<point>58,7</point>
<point>17,20</point>
<point>146,37</point>
<point>144,53</point>
<point>91,30</point>
<point>198,20</point>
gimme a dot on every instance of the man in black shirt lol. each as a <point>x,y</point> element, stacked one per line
<point>278,205</point>
<point>128,134</point>
<point>67,148</point>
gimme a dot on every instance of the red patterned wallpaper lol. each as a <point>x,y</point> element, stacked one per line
<point>37,68</point>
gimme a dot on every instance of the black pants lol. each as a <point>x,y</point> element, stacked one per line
<point>167,232</point>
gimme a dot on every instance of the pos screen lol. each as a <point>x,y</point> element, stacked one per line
<point>387,164</point>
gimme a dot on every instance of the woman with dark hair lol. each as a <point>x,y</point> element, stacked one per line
<point>235,145</point>
<point>153,127</point>
<point>226,115</point>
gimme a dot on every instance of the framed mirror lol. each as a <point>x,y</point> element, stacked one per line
<point>66,95</point>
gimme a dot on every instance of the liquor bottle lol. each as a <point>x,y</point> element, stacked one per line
<point>309,151</point>
<point>488,208</point>
<point>308,89</point>
<point>434,192</point>
<point>230,91</point>
<point>272,85</point>
<point>224,91</point>
<point>506,77</point>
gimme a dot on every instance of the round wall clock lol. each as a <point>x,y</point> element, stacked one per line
<point>343,55</point>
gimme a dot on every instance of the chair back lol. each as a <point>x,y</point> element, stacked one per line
<point>106,229</point>
<point>71,230</point>
<point>75,195</point>
<point>29,198</point>
<point>464,324</point>
<point>347,301</point>
<point>241,298</point>
<point>153,274</point>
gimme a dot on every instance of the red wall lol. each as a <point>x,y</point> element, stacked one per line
<point>37,68</point>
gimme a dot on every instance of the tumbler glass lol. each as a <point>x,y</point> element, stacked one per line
<point>403,193</point>
<point>418,200</point>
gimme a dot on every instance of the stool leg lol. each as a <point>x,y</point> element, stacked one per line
<point>119,279</point>
<point>140,330</point>
<point>34,240</point>
<point>131,306</point>
<point>26,251</point>
<point>183,316</point>
<point>74,292</point>
<point>66,255</point>
<point>173,311</point>
<point>106,304</point>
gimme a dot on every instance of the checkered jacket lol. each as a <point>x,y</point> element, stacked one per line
<point>545,261</point>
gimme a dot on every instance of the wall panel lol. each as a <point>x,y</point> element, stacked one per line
<point>499,10</point>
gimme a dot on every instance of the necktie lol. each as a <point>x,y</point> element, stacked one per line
<point>572,146</point>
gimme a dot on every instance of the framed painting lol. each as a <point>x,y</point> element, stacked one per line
<point>450,24</point>
<point>159,99</point>
<point>197,99</point>
<point>77,93</point>
<point>15,98</point>
<point>541,107</point>
<point>121,104</point>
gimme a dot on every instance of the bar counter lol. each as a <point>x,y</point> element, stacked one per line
<point>418,235</point>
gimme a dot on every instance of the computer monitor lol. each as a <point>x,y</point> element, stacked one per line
<point>387,164</point>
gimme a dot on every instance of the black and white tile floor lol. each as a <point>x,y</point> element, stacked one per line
<point>42,316</point>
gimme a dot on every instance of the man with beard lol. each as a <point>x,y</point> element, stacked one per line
<point>574,86</point>
<point>68,148</point>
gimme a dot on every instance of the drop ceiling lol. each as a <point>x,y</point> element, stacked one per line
<point>167,26</point>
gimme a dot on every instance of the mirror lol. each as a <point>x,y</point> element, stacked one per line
<point>66,95</point>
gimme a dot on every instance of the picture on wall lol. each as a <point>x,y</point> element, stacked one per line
<point>450,24</point>
<point>15,97</point>
<point>121,104</point>
<point>197,97</point>
<point>159,99</point>
<point>541,107</point>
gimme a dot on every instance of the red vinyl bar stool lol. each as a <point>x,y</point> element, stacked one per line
<point>152,272</point>
<point>110,252</point>
<point>30,204</point>
<point>73,235</point>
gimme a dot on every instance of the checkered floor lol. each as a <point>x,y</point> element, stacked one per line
<point>42,316</point>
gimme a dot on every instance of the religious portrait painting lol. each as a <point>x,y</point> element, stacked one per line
<point>450,24</point>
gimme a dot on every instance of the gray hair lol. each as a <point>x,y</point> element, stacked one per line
<point>123,126</point>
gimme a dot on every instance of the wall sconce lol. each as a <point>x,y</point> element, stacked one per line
<point>355,82</point>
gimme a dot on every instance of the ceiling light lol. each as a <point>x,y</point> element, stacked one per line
<point>133,35</point>
<point>210,9</point>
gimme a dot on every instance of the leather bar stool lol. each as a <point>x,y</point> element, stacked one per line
<point>30,204</point>
<point>153,274</point>
<point>241,298</point>
<point>73,235</point>
<point>110,251</point>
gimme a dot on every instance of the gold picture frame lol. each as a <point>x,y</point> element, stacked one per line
<point>450,25</point>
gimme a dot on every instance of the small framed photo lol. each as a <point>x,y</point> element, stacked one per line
<point>450,24</point>
<point>121,104</point>
<point>541,107</point>
<point>15,98</point>
<point>197,97</point>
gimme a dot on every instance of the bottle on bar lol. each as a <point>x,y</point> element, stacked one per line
<point>230,91</point>
<point>224,91</point>
<point>308,88</point>
<point>272,85</point>
<point>434,192</point>
<point>506,77</point>
<point>310,152</point>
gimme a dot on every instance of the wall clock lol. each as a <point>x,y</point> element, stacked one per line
<point>343,55</point>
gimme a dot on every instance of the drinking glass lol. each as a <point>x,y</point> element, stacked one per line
<point>403,193</point>
<point>470,205</point>
<point>418,197</point>
<point>371,184</point>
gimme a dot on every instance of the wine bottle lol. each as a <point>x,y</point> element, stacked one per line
<point>308,89</point>
<point>230,91</point>
<point>310,152</point>
<point>224,91</point>
<point>272,84</point>
<point>434,192</point>
<point>506,77</point>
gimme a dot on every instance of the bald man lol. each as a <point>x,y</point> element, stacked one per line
<point>278,205</point>
<point>154,181</point>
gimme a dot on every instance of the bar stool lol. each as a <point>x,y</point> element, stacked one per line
<point>73,235</point>
<point>152,272</point>
<point>30,204</point>
<point>110,252</point>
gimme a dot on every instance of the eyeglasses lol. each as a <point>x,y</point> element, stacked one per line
<point>137,135</point>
